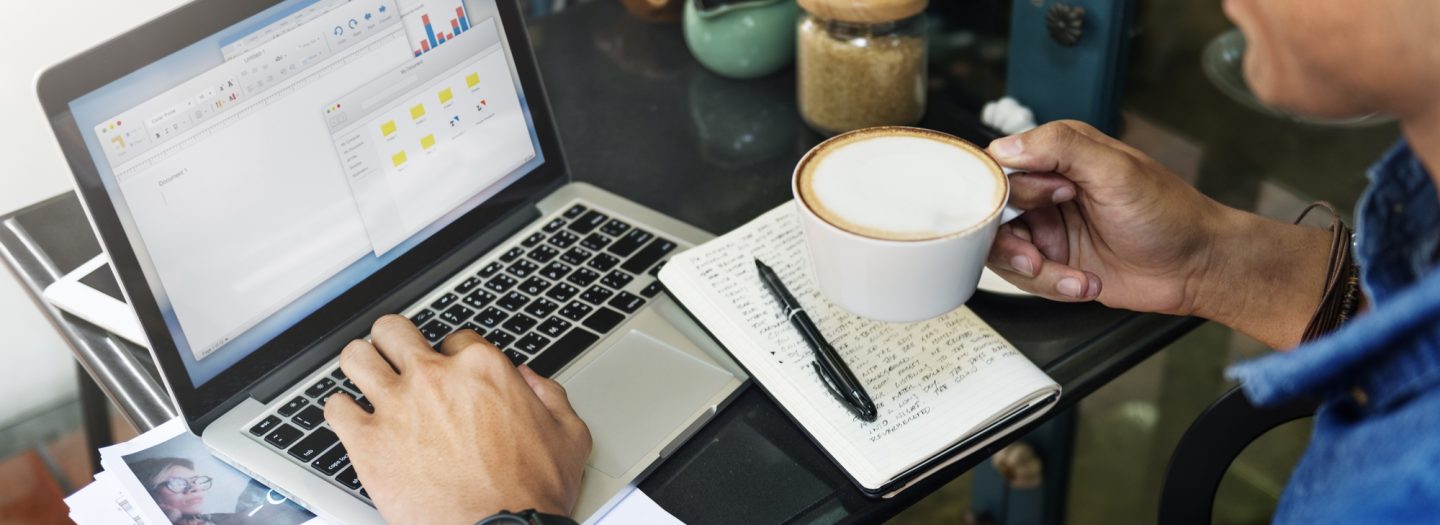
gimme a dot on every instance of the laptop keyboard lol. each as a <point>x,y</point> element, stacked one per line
<point>542,301</point>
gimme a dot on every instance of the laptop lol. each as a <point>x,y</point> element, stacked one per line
<point>269,177</point>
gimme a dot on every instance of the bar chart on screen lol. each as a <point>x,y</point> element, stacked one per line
<point>431,23</point>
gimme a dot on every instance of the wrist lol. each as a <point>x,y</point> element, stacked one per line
<point>1261,277</point>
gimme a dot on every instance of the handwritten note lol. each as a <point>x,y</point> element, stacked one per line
<point>933,382</point>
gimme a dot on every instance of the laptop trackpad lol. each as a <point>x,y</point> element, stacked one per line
<point>637,393</point>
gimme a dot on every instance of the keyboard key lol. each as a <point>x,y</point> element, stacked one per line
<point>513,301</point>
<point>652,253</point>
<point>313,445</point>
<point>583,277</point>
<point>562,351</point>
<point>630,242</point>
<point>532,240</point>
<point>522,268</point>
<point>553,327</point>
<point>574,211</point>
<point>309,418</point>
<point>516,358</point>
<point>603,262</point>
<point>615,227</point>
<point>284,436</point>
<point>338,374</point>
<point>564,239</point>
<point>575,311</point>
<point>596,295</point>
<point>627,302</point>
<point>435,330</point>
<point>457,314</point>
<point>544,254</point>
<point>479,298</point>
<point>331,462</point>
<point>500,339</point>
<point>531,343</point>
<point>589,221</point>
<point>320,387</point>
<point>350,386</point>
<point>576,255</point>
<point>467,285</point>
<point>490,269</point>
<point>265,425</point>
<point>534,286</point>
<point>617,279</point>
<point>513,254</point>
<point>501,283</point>
<point>420,317</point>
<point>444,301</point>
<point>542,308</point>
<point>491,318</point>
<point>655,272</point>
<point>349,479</point>
<point>364,494</point>
<point>604,320</point>
<point>519,323</point>
<point>652,290</point>
<point>595,241</point>
<point>553,225</point>
<point>555,271</point>
<point>289,409</point>
<point>562,292</point>
<point>325,398</point>
<point>470,325</point>
<point>365,404</point>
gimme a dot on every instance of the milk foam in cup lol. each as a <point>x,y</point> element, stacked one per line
<point>898,221</point>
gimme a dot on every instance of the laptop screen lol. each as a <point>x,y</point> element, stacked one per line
<point>262,171</point>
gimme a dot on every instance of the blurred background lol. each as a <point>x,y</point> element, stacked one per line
<point>1181,102</point>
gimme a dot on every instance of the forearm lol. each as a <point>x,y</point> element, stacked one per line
<point>1264,277</point>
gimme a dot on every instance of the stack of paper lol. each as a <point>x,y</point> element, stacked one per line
<point>167,476</point>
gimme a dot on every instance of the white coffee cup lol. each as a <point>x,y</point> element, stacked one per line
<point>876,263</point>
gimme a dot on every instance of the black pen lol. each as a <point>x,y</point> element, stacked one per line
<point>831,369</point>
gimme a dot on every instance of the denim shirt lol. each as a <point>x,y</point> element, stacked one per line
<point>1374,456</point>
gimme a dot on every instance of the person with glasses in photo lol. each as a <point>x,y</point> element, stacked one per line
<point>180,492</point>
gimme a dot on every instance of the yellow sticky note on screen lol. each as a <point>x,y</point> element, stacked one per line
<point>398,158</point>
<point>388,128</point>
<point>472,80</point>
<point>417,111</point>
<point>446,95</point>
<point>427,141</point>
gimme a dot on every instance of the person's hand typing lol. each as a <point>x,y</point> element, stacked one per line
<point>1106,222</point>
<point>459,435</point>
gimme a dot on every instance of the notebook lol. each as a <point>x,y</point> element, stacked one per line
<point>944,388</point>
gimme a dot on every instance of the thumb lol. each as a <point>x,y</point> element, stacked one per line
<point>551,394</point>
<point>1069,148</point>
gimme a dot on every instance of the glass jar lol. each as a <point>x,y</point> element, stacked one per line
<point>857,68</point>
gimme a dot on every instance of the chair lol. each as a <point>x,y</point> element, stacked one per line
<point>1209,446</point>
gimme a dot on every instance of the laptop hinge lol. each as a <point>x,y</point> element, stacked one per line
<point>284,376</point>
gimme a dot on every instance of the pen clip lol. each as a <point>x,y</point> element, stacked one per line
<point>832,387</point>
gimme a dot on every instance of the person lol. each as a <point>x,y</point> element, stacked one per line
<point>179,490</point>
<point>1104,223</point>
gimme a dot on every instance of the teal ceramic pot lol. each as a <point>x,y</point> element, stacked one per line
<point>742,40</point>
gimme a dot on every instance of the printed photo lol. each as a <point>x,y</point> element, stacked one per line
<point>192,487</point>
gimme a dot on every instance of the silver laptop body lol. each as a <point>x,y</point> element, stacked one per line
<point>452,222</point>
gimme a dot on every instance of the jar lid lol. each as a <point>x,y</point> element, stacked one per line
<point>863,11</point>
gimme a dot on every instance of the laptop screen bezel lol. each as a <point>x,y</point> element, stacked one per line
<point>190,23</point>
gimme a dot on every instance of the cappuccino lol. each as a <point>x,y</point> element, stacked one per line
<point>904,184</point>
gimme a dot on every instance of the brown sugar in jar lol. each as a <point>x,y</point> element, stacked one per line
<point>860,63</point>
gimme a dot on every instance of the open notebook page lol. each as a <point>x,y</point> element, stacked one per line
<point>934,382</point>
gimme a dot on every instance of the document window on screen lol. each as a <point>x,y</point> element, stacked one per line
<point>239,181</point>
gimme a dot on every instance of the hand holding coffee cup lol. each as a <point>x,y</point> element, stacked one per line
<point>898,221</point>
